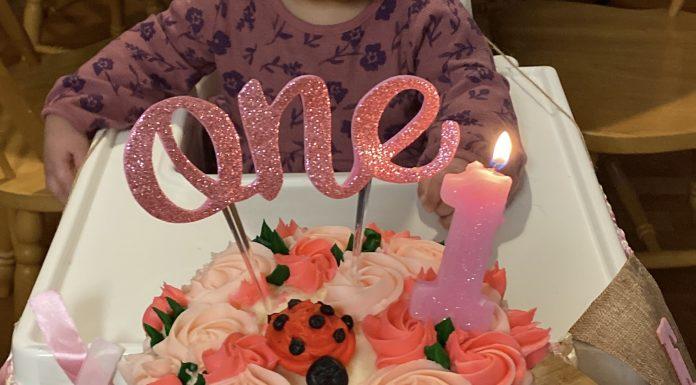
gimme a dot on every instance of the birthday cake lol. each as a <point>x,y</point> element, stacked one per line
<point>323,306</point>
<point>319,315</point>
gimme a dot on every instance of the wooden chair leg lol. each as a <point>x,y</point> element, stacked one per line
<point>29,254</point>
<point>7,264</point>
<point>116,10</point>
<point>17,34</point>
<point>33,16</point>
<point>675,6</point>
<point>630,200</point>
<point>152,7</point>
<point>692,189</point>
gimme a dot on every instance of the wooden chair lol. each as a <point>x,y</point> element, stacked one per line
<point>24,199</point>
<point>34,11</point>
<point>629,75</point>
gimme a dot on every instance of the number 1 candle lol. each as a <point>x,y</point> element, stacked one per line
<point>478,196</point>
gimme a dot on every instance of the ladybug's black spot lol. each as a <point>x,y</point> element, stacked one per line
<point>293,302</point>
<point>316,321</point>
<point>296,346</point>
<point>339,335</point>
<point>279,322</point>
<point>327,310</point>
<point>348,320</point>
<point>327,371</point>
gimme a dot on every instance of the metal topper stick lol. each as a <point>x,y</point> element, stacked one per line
<point>235,224</point>
<point>363,198</point>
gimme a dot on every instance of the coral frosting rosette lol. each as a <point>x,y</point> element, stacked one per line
<point>330,318</point>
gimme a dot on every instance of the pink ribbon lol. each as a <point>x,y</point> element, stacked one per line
<point>95,366</point>
<point>6,370</point>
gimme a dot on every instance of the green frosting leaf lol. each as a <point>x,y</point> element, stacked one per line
<point>279,275</point>
<point>166,320</point>
<point>177,309</point>
<point>437,353</point>
<point>272,240</point>
<point>350,243</point>
<point>337,253</point>
<point>444,329</point>
<point>371,241</point>
<point>155,336</point>
<point>187,372</point>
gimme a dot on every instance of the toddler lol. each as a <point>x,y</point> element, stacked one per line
<point>351,44</point>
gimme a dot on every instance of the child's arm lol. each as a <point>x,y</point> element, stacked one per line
<point>161,57</point>
<point>450,51</point>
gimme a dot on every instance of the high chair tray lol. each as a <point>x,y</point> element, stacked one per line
<point>109,257</point>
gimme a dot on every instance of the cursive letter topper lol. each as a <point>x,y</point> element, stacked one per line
<point>261,123</point>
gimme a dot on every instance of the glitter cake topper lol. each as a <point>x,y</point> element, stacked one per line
<point>261,123</point>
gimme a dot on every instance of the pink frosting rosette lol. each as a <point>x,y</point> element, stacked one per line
<point>160,302</point>
<point>420,372</point>
<point>226,276</point>
<point>378,283</point>
<point>254,375</point>
<point>495,284</point>
<point>290,232</point>
<point>395,336</point>
<point>311,263</point>
<point>338,235</point>
<point>236,353</point>
<point>388,235</point>
<point>203,327</point>
<point>533,339</point>
<point>146,368</point>
<point>492,358</point>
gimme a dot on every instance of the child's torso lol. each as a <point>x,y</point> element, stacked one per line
<point>262,40</point>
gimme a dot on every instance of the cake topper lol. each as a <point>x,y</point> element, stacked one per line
<point>261,121</point>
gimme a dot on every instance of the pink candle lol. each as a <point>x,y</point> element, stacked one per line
<point>478,196</point>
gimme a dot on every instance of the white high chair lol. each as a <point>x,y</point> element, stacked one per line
<point>558,244</point>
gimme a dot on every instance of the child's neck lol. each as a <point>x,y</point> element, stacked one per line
<point>326,12</point>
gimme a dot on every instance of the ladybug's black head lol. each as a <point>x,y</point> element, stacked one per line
<point>327,370</point>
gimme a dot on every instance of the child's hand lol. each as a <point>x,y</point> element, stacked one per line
<point>65,150</point>
<point>429,192</point>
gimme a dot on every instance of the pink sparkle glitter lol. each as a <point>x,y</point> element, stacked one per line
<point>141,175</point>
<point>261,124</point>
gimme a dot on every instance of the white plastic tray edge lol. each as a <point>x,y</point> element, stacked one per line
<point>585,178</point>
<point>22,338</point>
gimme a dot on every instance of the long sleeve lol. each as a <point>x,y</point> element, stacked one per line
<point>450,51</point>
<point>160,57</point>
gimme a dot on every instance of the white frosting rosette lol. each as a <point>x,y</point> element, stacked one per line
<point>338,235</point>
<point>419,372</point>
<point>146,368</point>
<point>378,281</point>
<point>222,277</point>
<point>415,254</point>
<point>254,375</point>
<point>201,327</point>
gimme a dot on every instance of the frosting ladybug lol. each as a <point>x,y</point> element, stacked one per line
<point>305,332</point>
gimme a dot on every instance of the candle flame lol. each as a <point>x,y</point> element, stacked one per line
<point>501,152</point>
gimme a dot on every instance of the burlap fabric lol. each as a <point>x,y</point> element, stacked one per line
<point>623,321</point>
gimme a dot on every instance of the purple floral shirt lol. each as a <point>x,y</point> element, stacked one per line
<point>167,54</point>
